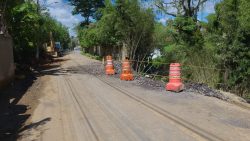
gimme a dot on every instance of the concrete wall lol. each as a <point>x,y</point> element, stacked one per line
<point>7,67</point>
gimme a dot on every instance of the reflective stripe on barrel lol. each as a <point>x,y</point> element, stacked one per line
<point>174,71</point>
<point>109,62</point>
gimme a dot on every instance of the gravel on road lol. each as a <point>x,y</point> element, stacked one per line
<point>97,68</point>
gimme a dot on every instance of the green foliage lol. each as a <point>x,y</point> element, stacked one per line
<point>92,56</point>
<point>216,53</point>
<point>122,23</point>
<point>24,29</point>
<point>59,32</point>
<point>133,26</point>
<point>229,33</point>
<point>88,9</point>
<point>161,36</point>
<point>30,28</point>
<point>186,31</point>
<point>220,47</point>
<point>186,42</point>
<point>244,12</point>
<point>88,37</point>
<point>185,45</point>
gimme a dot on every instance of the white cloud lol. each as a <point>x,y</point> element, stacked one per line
<point>61,11</point>
<point>208,7</point>
<point>163,20</point>
<point>52,1</point>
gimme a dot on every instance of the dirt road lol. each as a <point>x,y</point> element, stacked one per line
<point>78,106</point>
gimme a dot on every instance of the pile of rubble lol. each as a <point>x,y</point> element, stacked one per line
<point>95,68</point>
<point>204,90</point>
<point>118,67</point>
<point>140,80</point>
<point>150,83</point>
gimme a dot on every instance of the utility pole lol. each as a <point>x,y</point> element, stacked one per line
<point>39,28</point>
<point>3,26</point>
<point>37,46</point>
<point>1,23</point>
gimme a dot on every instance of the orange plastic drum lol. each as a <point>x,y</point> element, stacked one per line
<point>109,66</point>
<point>175,82</point>
<point>126,71</point>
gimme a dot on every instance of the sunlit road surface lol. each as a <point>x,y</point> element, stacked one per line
<point>78,106</point>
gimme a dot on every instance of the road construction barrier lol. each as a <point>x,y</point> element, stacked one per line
<point>109,66</point>
<point>175,83</point>
<point>126,71</point>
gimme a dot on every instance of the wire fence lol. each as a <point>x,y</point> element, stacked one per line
<point>201,74</point>
<point>184,65</point>
<point>209,75</point>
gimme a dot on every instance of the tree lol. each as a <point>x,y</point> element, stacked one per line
<point>88,9</point>
<point>6,11</point>
<point>24,30</point>
<point>134,27</point>
<point>185,28</point>
<point>123,23</point>
<point>59,32</point>
<point>186,42</point>
<point>229,32</point>
<point>161,36</point>
<point>23,22</point>
<point>185,8</point>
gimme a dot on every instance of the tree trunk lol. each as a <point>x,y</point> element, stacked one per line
<point>124,51</point>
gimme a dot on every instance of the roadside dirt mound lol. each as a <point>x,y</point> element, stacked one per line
<point>149,83</point>
<point>204,89</point>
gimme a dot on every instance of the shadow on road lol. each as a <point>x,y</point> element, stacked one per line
<point>17,102</point>
<point>12,114</point>
<point>35,125</point>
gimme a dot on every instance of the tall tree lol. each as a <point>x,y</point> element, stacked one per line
<point>88,9</point>
<point>6,7</point>
<point>230,31</point>
<point>135,26</point>
<point>124,23</point>
<point>185,28</point>
<point>186,8</point>
<point>23,21</point>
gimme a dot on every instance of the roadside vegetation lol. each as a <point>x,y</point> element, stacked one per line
<point>91,56</point>
<point>30,27</point>
<point>215,52</point>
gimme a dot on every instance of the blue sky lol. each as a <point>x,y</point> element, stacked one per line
<point>205,10</point>
<point>61,10</point>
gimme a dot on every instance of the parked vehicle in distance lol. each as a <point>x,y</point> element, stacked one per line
<point>58,49</point>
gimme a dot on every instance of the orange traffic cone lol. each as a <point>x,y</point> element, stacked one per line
<point>126,71</point>
<point>175,83</point>
<point>109,66</point>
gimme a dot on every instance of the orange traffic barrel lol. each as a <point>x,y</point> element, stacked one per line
<point>175,82</point>
<point>109,66</point>
<point>126,71</point>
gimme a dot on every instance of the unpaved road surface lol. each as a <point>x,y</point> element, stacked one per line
<point>78,106</point>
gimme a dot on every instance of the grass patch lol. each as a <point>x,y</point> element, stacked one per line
<point>92,56</point>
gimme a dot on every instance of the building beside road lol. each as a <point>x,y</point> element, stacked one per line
<point>7,67</point>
